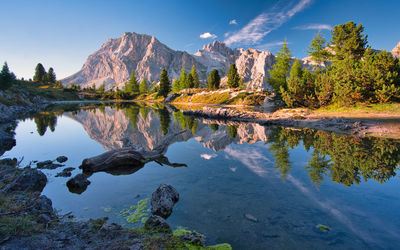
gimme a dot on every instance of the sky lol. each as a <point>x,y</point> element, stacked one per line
<point>62,34</point>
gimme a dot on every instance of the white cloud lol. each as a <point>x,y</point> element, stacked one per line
<point>208,156</point>
<point>314,26</point>
<point>233,21</point>
<point>267,22</point>
<point>207,35</point>
<point>269,46</point>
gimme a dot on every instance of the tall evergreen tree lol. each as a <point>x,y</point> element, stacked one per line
<point>164,87</point>
<point>233,77</point>
<point>214,79</point>
<point>6,77</point>
<point>102,86</point>
<point>189,81</point>
<point>176,85</point>
<point>317,49</point>
<point>348,41</point>
<point>182,79</point>
<point>51,76</point>
<point>132,86</point>
<point>40,73</point>
<point>143,88</point>
<point>196,81</point>
<point>279,71</point>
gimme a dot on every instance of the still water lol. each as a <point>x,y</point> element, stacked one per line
<point>255,187</point>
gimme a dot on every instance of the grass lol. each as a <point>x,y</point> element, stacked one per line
<point>362,107</point>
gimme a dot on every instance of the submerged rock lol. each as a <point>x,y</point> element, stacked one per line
<point>250,217</point>
<point>48,165</point>
<point>157,223</point>
<point>78,184</point>
<point>66,172</point>
<point>163,200</point>
<point>62,159</point>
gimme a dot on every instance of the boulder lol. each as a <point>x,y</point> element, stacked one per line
<point>78,184</point>
<point>163,200</point>
<point>66,172</point>
<point>157,223</point>
<point>29,180</point>
<point>43,205</point>
<point>62,159</point>
<point>48,165</point>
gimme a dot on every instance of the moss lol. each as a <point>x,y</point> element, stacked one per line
<point>180,231</point>
<point>323,228</point>
<point>211,98</point>
<point>137,213</point>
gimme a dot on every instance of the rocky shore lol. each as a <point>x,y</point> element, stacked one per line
<point>299,119</point>
<point>28,220</point>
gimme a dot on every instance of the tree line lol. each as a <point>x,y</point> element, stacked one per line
<point>348,71</point>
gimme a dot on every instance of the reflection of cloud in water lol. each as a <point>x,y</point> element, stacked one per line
<point>252,157</point>
<point>208,156</point>
<point>341,216</point>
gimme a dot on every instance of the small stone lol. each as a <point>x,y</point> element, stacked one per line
<point>41,164</point>
<point>43,219</point>
<point>78,184</point>
<point>62,159</point>
<point>163,200</point>
<point>251,217</point>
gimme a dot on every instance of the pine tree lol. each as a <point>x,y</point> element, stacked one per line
<point>6,77</point>
<point>317,49</point>
<point>176,85</point>
<point>51,76</point>
<point>196,81</point>
<point>214,79</point>
<point>280,69</point>
<point>182,79</point>
<point>189,81</point>
<point>233,77</point>
<point>132,86</point>
<point>348,41</point>
<point>40,73</point>
<point>164,84</point>
<point>143,88</point>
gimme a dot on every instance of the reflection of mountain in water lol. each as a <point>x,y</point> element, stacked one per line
<point>113,129</point>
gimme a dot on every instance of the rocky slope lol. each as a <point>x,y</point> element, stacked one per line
<point>144,54</point>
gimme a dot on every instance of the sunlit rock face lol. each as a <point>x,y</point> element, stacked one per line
<point>114,128</point>
<point>117,58</point>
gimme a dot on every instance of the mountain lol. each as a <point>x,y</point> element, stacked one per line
<point>396,50</point>
<point>115,60</point>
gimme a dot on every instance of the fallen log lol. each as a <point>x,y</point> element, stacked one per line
<point>129,157</point>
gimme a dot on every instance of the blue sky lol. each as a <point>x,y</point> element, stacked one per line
<point>61,34</point>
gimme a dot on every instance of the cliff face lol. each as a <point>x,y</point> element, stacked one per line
<point>117,58</point>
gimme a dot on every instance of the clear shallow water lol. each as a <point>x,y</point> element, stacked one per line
<point>289,180</point>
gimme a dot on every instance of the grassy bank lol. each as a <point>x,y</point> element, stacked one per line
<point>361,110</point>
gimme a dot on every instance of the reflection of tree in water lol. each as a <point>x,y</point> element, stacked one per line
<point>232,130</point>
<point>185,122</point>
<point>143,112</point>
<point>214,127</point>
<point>280,152</point>
<point>44,121</point>
<point>350,158</point>
<point>165,119</point>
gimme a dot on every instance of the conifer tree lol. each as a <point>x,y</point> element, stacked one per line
<point>189,81</point>
<point>164,87</point>
<point>176,85</point>
<point>102,86</point>
<point>233,77</point>
<point>132,85</point>
<point>40,73</point>
<point>182,79</point>
<point>348,41</point>
<point>51,76</point>
<point>317,49</point>
<point>143,88</point>
<point>279,71</point>
<point>214,79</point>
<point>196,81</point>
<point>6,77</point>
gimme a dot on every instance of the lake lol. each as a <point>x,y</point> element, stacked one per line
<point>253,186</point>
